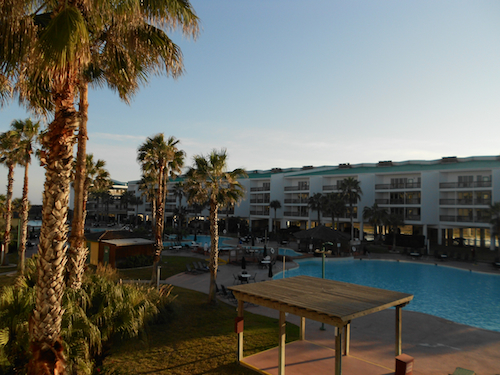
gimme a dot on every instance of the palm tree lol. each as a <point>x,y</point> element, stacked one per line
<point>179,192</point>
<point>394,220</point>
<point>376,216</point>
<point>275,205</point>
<point>28,132</point>
<point>45,49</point>
<point>494,217</point>
<point>95,182</point>
<point>10,156</point>
<point>147,185</point>
<point>165,160</point>
<point>351,191</point>
<point>209,180</point>
<point>333,205</point>
<point>315,202</point>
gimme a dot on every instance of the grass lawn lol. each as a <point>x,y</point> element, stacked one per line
<point>199,339</point>
<point>170,265</point>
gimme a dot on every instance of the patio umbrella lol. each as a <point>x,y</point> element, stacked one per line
<point>253,241</point>
<point>270,274</point>
<point>264,253</point>
<point>243,263</point>
<point>323,233</point>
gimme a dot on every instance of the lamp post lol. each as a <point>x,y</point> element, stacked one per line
<point>323,252</point>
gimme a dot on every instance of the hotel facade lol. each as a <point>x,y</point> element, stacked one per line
<point>444,200</point>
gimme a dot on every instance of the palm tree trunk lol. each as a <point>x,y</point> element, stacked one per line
<point>214,251</point>
<point>77,254</point>
<point>352,223</point>
<point>158,223</point>
<point>45,325</point>
<point>24,223</point>
<point>8,212</point>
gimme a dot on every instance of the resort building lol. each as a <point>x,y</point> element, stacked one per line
<point>445,200</point>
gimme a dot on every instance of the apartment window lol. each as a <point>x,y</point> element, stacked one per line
<point>266,185</point>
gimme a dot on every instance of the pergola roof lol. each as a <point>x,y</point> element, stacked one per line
<point>327,301</point>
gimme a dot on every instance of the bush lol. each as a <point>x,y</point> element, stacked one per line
<point>100,311</point>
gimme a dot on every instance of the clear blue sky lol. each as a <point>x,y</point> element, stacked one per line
<point>287,83</point>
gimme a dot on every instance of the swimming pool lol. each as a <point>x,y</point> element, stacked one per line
<point>470,298</point>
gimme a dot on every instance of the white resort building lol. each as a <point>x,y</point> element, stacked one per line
<point>441,199</point>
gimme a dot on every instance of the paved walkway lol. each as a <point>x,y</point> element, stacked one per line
<point>438,345</point>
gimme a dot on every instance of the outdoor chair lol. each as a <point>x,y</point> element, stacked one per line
<point>198,267</point>
<point>202,267</point>
<point>192,271</point>
<point>252,278</point>
<point>236,280</point>
<point>228,294</point>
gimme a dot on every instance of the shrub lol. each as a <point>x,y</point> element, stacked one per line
<point>134,261</point>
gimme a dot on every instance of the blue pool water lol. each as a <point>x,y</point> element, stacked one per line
<point>461,296</point>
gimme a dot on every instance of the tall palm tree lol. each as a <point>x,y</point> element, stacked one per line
<point>351,191</point>
<point>165,160</point>
<point>10,156</point>
<point>376,216</point>
<point>29,132</point>
<point>179,192</point>
<point>333,205</point>
<point>95,182</point>
<point>44,50</point>
<point>315,202</point>
<point>393,221</point>
<point>209,180</point>
<point>275,205</point>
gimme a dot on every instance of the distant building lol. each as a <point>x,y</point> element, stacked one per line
<point>442,199</point>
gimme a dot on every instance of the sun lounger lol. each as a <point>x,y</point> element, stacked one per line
<point>228,294</point>
<point>199,268</point>
<point>191,270</point>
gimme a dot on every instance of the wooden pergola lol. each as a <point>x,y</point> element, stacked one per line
<point>327,301</point>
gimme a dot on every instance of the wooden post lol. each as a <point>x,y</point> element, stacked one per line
<point>399,326</point>
<point>347,337</point>
<point>302,328</point>
<point>240,334</point>
<point>338,351</point>
<point>282,323</point>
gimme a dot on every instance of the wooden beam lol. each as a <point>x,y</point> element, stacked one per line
<point>347,338</point>
<point>240,334</point>
<point>282,323</point>
<point>338,351</point>
<point>302,328</point>
<point>399,326</point>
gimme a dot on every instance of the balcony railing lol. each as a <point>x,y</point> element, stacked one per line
<point>464,202</point>
<point>330,187</point>
<point>412,217</point>
<point>255,200</point>
<point>398,201</point>
<point>295,201</point>
<point>261,213</point>
<point>297,188</point>
<point>461,185</point>
<point>408,185</point>
<point>296,214</point>
<point>463,219</point>
<point>260,188</point>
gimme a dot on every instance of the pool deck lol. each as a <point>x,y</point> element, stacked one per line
<point>437,345</point>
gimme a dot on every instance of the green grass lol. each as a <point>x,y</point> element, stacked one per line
<point>199,339</point>
<point>170,265</point>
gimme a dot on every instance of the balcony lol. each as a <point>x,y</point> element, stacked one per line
<point>463,219</point>
<point>412,217</point>
<point>330,187</point>
<point>258,212</point>
<point>464,202</point>
<point>295,201</point>
<point>463,185</point>
<point>297,188</point>
<point>408,185</point>
<point>296,214</point>
<point>260,188</point>
<point>259,200</point>
<point>398,201</point>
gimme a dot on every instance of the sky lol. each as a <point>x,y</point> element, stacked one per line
<point>289,83</point>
